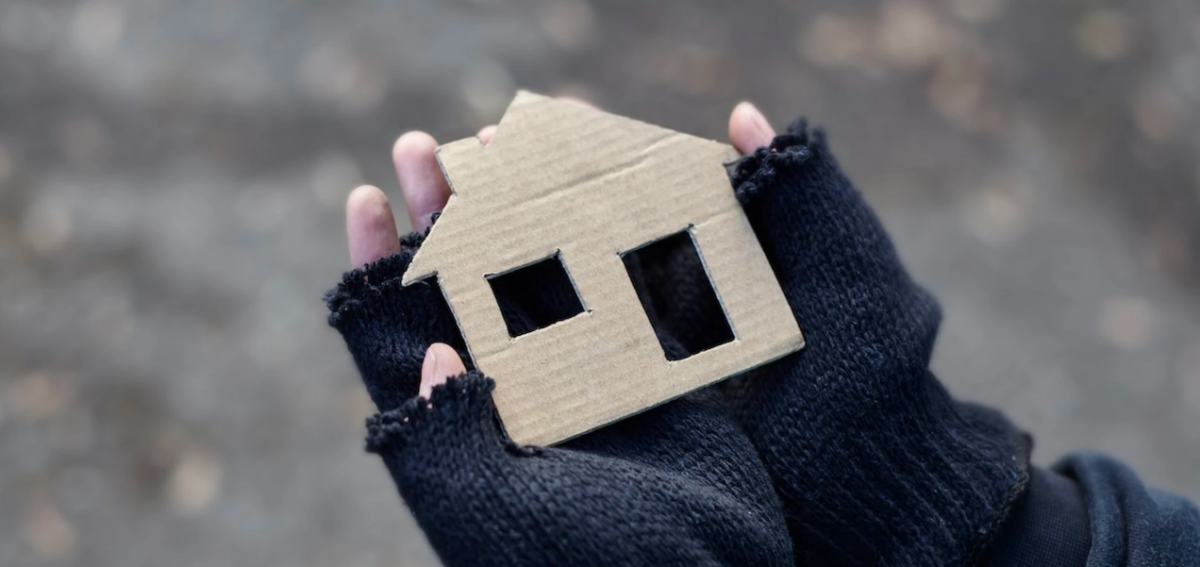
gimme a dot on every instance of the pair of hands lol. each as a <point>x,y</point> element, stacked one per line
<point>371,226</point>
<point>848,452</point>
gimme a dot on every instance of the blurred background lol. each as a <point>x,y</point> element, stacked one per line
<point>172,176</point>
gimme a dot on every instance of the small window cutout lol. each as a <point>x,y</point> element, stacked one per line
<point>535,296</point>
<point>678,296</point>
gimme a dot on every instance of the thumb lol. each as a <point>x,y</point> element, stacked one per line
<point>441,362</point>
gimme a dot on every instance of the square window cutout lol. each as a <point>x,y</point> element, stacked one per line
<point>536,296</point>
<point>678,296</point>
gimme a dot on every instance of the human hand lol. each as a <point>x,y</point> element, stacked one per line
<point>872,461</point>
<point>677,485</point>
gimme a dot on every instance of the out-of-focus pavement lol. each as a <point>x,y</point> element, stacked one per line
<point>172,174</point>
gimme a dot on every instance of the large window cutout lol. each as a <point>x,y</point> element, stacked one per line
<point>535,296</point>
<point>678,296</point>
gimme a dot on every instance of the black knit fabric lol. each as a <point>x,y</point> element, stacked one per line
<point>874,462</point>
<point>677,485</point>
<point>846,453</point>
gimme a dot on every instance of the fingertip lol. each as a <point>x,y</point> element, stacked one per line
<point>748,128</point>
<point>441,362</point>
<point>485,134</point>
<point>370,226</point>
<point>412,146</point>
<point>364,195</point>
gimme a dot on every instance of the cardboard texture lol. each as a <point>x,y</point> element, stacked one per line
<point>560,178</point>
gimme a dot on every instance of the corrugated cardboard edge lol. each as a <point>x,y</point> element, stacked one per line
<point>562,178</point>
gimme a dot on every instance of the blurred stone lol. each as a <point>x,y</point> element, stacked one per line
<point>1126,322</point>
<point>568,24</point>
<point>167,442</point>
<point>956,88</point>
<point>1157,113</point>
<point>997,214</point>
<point>909,35</point>
<point>98,26</point>
<point>194,483</point>
<point>84,140</point>
<point>1104,35</point>
<point>831,40</point>
<point>39,396</point>
<point>48,532</point>
<point>977,11</point>
<point>46,227</point>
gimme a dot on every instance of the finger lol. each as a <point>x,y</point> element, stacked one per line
<point>441,362</point>
<point>749,129</point>
<point>370,226</point>
<point>485,135</point>
<point>421,180</point>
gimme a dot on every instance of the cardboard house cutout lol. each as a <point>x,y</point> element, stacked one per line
<point>564,192</point>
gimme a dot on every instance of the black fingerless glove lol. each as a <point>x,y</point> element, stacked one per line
<point>677,485</point>
<point>874,462</point>
<point>849,451</point>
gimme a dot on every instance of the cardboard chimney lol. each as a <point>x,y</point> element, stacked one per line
<point>562,195</point>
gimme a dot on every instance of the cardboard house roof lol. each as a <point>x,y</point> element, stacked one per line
<point>560,179</point>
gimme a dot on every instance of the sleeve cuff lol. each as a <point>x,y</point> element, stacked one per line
<point>1048,527</point>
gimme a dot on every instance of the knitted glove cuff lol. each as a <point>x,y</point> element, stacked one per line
<point>751,174</point>
<point>458,415</point>
<point>362,295</point>
<point>387,326</point>
<point>916,480</point>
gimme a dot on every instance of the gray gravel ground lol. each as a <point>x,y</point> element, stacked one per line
<point>172,174</point>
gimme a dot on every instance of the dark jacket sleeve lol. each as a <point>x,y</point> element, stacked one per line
<point>1092,511</point>
<point>1131,524</point>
